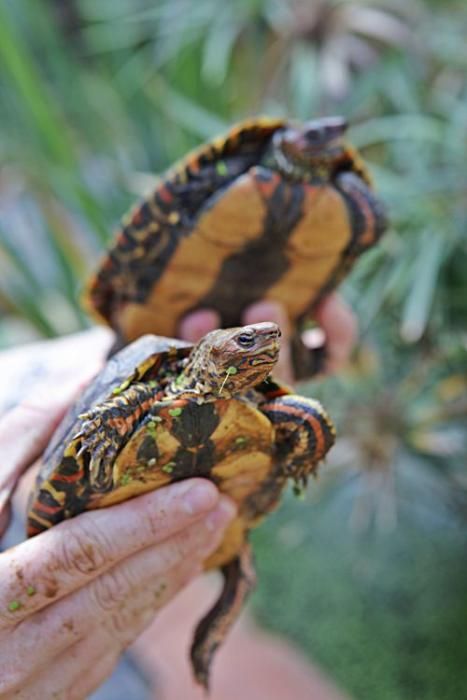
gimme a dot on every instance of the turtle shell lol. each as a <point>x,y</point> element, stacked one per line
<point>227,440</point>
<point>61,489</point>
<point>224,229</point>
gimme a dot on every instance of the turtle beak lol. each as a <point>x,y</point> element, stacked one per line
<point>268,335</point>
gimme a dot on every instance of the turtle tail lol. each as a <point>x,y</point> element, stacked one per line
<point>239,580</point>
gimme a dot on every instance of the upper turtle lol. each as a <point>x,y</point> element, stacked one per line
<point>161,411</point>
<point>272,210</point>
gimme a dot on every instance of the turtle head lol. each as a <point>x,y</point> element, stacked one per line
<point>227,361</point>
<point>317,143</point>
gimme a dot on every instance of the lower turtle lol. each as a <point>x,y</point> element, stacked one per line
<point>162,410</point>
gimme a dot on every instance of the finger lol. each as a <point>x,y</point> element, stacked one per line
<point>273,311</point>
<point>339,324</point>
<point>73,673</point>
<point>25,432</point>
<point>111,601</point>
<point>53,683</point>
<point>194,326</point>
<point>71,554</point>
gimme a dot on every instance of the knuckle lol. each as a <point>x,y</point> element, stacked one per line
<point>110,590</point>
<point>84,551</point>
<point>191,543</point>
<point>152,523</point>
<point>124,626</point>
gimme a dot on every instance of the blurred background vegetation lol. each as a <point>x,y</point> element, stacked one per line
<point>97,97</point>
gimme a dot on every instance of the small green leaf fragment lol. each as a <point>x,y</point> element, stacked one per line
<point>121,387</point>
<point>221,168</point>
<point>169,467</point>
<point>152,428</point>
<point>175,412</point>
<point>125,479</point>
<point>232,370</point>
<point>14,605</point>
<point>30,590</point>
<point>241,440</point>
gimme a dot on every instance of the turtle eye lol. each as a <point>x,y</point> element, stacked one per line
<point>245,340</point>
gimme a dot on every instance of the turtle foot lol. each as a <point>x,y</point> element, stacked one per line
<point>100,441</point>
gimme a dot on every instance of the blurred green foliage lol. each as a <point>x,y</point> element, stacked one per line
<point>97,97</point>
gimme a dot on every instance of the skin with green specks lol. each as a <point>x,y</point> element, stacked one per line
<point>208,410</point>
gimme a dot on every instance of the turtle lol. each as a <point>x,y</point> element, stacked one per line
<point>162,410</point>
<point>273,209</point>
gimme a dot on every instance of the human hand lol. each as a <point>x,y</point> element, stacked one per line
<point>333,315</point>
<point>75,596</point>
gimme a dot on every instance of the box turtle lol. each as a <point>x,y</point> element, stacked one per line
<point>162,410</point>
<point>271,210</point>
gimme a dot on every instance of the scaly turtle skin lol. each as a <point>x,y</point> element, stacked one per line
<point>271,210</point>
<point>162,410</point>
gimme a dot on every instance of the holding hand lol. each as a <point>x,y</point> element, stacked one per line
<point>75,596</point>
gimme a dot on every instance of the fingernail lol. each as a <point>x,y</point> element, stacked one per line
<point>200,498</point>
<point>220,516</point>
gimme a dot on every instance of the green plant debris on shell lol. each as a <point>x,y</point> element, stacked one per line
<point>232,370</point>
<point>221,168</point>
<point>30,590</point>
<point>125,479</point>
<point>241,440</point>
<point>168,468</point>
<point>121,387</point>
<point>14,605</point>
<point>151,429</point>
<point>174,412</point>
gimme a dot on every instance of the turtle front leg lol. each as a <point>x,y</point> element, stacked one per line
<point>107,426</point>
<point>239,581</point>
<point>304,433</point>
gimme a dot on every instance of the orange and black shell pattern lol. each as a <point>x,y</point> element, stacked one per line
<point>62,486</point>
<point>242,443</point>
<point>225,228</point>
